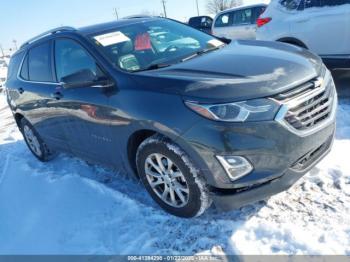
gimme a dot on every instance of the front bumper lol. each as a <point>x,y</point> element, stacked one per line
<point>228,200</point>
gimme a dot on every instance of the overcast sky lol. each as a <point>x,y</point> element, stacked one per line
<point>23,19</point>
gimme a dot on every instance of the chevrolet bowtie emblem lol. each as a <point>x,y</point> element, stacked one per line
<point>318,83</point>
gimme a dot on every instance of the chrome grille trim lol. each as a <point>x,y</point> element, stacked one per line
<point>309,107</point>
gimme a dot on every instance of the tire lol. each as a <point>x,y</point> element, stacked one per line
<point>164,165</point>
<point>34,142</point>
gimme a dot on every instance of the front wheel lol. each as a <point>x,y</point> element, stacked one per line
<point>171,179</point>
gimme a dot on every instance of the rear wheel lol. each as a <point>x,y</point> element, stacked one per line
<point>171,179</point>
<point>34,142</point>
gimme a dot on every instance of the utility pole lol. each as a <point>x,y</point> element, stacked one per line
<point>164,8</point>
<point>116,13</point>
<point>197,7</point>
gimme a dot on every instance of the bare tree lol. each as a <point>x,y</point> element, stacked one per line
<point>215,6</point>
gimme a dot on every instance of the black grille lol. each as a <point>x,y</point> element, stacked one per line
<point>309,158</point>
<point>309,104</point>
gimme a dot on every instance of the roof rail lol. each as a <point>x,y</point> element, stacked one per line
<point>50,32</point>
<point>138,16</point>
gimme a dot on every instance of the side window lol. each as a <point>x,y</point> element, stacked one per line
<point>71,58</point>
<point>290,4</point>
<point>312,3</point>
<point>39,64</point>
<point>224,20</point>
<point>25,71</point>
<point>334,2</point>
<point>243,17</point>
<point>209,21</point>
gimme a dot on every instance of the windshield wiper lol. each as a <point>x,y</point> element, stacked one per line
<point>152,67</point>
<point>201,52</point>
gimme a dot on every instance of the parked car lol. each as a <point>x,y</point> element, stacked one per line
<point>195,126</point>
<point>3,73</point>
<point>238,23</point>
<point>321,26</point>
<point>203,23</point>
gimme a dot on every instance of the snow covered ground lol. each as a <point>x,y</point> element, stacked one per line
<point>69,207</point>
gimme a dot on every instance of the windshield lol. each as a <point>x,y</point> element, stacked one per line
<point>153,44</point>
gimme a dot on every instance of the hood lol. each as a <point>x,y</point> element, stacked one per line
<point>240,71</point>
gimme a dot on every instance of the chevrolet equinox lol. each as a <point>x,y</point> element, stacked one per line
<point>196,118</point>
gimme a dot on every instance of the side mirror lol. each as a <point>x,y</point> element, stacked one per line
<point>78,79</point>
<point>85,78</point>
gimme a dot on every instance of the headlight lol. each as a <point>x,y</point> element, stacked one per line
<point>252,110</point>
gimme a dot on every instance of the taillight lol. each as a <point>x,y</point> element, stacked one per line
<point>263,21</point>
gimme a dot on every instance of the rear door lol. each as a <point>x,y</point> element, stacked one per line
<point>323,26</point>
<point>88,128</point>
<point>36,99</point>
<point>243,25</point>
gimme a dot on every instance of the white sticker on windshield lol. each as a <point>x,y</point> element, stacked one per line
<point>112,38</point>
<point>215,43</point>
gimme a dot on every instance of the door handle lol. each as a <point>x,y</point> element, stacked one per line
<point>57,95</point>
<point>20,90</point>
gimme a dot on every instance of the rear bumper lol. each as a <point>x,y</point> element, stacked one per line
<point>228,200</point>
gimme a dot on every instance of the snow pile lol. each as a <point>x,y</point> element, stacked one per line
<point>69,207</point>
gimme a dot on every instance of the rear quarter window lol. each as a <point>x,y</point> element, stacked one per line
<point>14,65</point>
<point>24,71</point>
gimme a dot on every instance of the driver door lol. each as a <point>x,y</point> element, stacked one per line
<point>87,128</point>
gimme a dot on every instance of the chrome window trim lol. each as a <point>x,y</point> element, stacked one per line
<point>280,117</point>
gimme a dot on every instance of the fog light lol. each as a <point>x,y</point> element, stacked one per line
<point>235,166</point>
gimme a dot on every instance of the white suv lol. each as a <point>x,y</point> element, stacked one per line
<point>323,26</point>
<point>238,23</point>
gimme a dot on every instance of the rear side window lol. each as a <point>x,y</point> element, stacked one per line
<point>195,21</point>
<point>39,64</point>
<point>224,20</point>
<point>243,17</point>
<point>200,21</point>
<point>71,58</point>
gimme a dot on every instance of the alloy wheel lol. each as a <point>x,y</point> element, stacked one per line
<point>32,140</point>
<point>167,180</point>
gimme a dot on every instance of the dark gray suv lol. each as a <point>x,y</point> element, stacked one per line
<point>195,118</point>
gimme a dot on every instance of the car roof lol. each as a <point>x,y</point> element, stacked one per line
<point>87,30</point>
<point>239,8</point>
